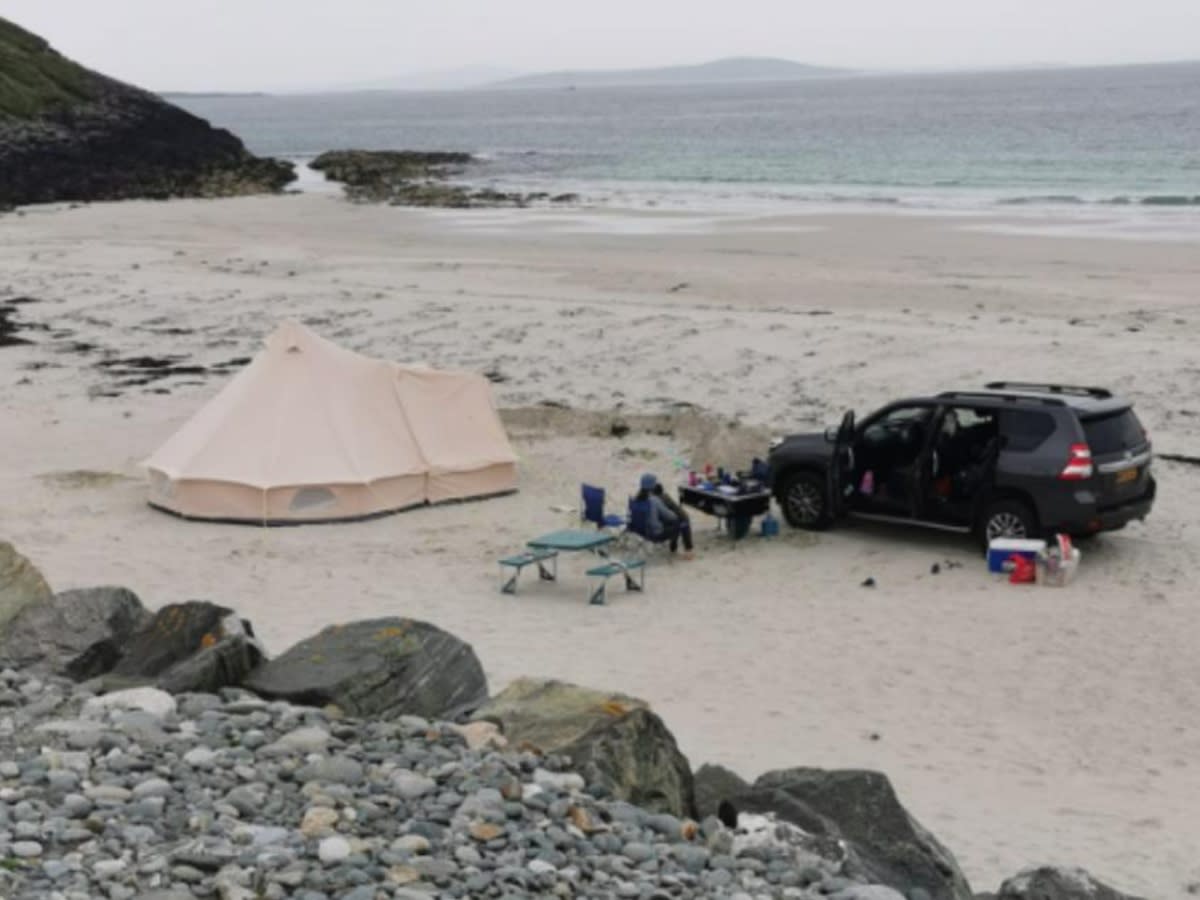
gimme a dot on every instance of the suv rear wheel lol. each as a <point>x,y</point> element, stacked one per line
<point>803,500</point>
<point>1007,519</point>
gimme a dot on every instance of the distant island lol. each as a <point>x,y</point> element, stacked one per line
<point>721,71</point>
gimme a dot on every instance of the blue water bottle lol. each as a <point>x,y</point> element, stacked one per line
<point>770,525</point>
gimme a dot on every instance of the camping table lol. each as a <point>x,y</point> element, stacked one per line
<point>572,540</point>
<point>735,511</point>
<point>575,540</point>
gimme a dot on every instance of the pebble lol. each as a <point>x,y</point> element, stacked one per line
<point>200,758</point>
<point>333,850</point>
<point>108,868</point>
<point>318,819</point>
<point>336,769</point>
<point>152,787</point>
<point>411,786</point>
<point>26,849</point>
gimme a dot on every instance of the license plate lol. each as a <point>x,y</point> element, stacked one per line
<point>1127,475</point>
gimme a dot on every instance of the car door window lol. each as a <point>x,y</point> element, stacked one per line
<point>964,451</point>
<point>897,435</point>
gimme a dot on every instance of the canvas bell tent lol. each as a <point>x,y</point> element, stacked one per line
<point>312,432</point>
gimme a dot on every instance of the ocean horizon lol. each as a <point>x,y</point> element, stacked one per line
<point>1113,137</point>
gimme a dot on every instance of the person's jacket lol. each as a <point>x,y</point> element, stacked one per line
<point>661,516</point>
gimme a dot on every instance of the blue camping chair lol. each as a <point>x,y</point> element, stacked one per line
<point>593,509</point>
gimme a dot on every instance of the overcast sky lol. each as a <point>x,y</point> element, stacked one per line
<point>277,44</point>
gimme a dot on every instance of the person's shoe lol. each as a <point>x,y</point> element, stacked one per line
<point>687,555</point>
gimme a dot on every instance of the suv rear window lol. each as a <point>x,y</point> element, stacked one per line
<point>1024,430</point>
<point>1114,433</point>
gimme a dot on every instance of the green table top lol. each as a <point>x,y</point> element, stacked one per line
<point>570,539</point>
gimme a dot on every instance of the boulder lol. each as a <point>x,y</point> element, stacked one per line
<point>715,784</point>
<point>225,663</point>
<point>383,668</point>
<point>67,133</point>
<point>193,647</point>
<point>615,742</point>
<point>1058,883</point>
<point>67,632</point>
<point>20,584</point>
<point>884,843</point>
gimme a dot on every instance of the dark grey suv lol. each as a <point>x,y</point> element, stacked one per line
<point>1013,460</point>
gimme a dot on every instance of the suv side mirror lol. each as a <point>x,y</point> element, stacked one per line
<point>831,434</point>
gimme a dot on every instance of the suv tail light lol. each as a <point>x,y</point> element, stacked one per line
<point>1079,465</point>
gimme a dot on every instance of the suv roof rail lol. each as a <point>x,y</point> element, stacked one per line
<point>997,395</point>
<point>1043,388</point>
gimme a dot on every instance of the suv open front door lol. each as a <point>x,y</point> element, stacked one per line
<point>841,469</point>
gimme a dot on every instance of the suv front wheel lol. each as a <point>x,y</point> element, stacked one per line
<point>802,496</point>
<point>1007,519</point>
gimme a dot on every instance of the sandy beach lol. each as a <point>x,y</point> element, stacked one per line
<point>1020,725</point>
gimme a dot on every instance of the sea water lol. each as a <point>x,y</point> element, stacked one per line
<point>1117,137</point>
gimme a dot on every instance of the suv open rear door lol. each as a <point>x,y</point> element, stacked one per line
<point>841,469</point>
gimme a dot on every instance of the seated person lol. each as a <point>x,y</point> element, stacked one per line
<point>667,520</point>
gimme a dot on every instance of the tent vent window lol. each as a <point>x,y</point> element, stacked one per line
<point>309,499</point>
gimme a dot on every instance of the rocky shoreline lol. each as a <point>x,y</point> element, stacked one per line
<point>369,762</point>
<point>70,134</point>
<point>418,178</point>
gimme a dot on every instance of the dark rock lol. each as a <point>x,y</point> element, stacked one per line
<point>378,668</point>
<point>226,663</point>
<point>885,844</point>
<point>11,327</point>
<point>612,740</point>
<point>1058,883</point>
<point>67,133</point>
<point>72,632</point>
<point>96,660</point>
<point>714,784</point>
<point>175,633</point>
<point>190,647</point>
<point>416,178</point>
<point>364,168</point>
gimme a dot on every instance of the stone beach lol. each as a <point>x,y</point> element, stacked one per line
<point>232,796</point>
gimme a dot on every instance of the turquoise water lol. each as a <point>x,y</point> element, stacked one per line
<point>1128,135</point>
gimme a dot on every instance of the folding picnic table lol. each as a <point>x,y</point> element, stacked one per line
<point>577,540</point>
<point>573,540</point>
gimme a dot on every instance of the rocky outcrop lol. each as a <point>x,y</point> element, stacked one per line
<point>382,668</point>
<point>1058,883</point>
<point>21,584</point>
<point>67,133</point>
<point>884,843</point>
<point>60,633</point>
<point>417,178</point>
<point>615,742</point>
<point>378,170</point>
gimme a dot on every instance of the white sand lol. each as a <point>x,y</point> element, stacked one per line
<point>1021,725</point>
